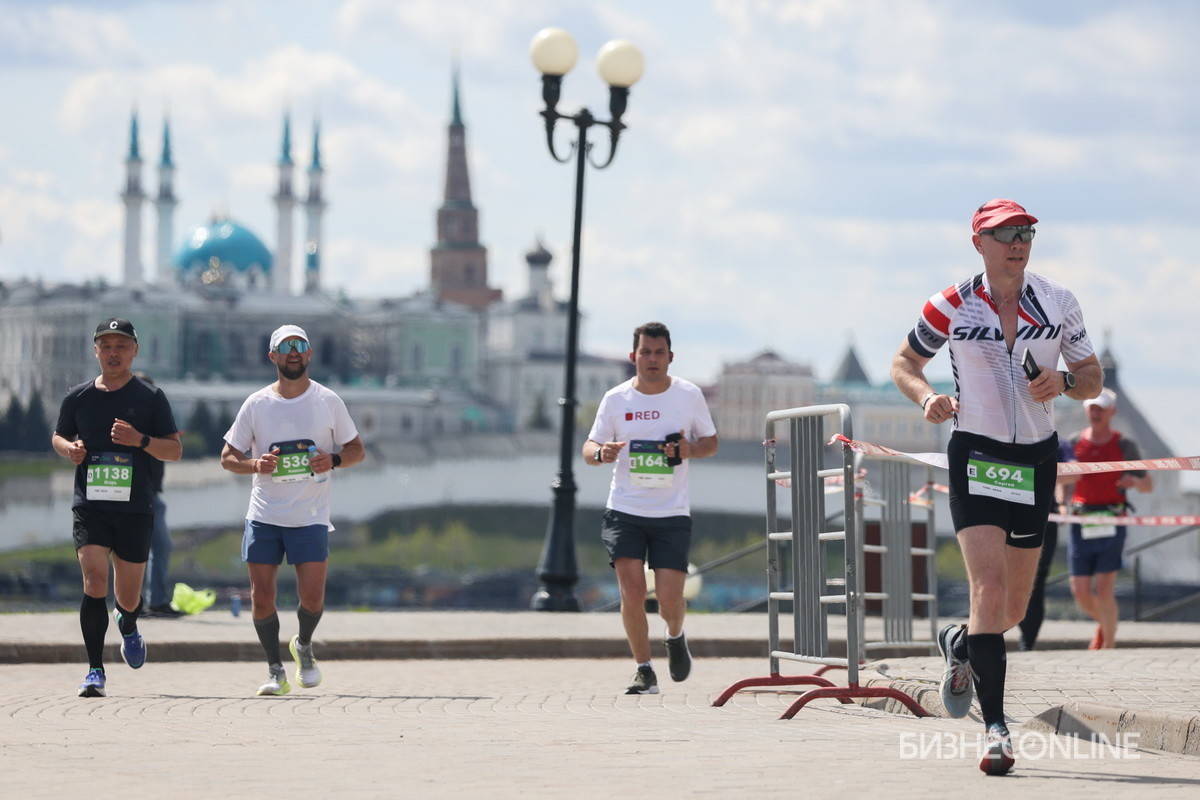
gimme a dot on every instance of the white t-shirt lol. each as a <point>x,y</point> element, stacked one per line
<point>267,420</point>
<point>642,483</point>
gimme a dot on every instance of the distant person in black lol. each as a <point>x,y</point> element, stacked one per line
<point>157,568</point>
<point>1035,612</point>
<point>113,428</point>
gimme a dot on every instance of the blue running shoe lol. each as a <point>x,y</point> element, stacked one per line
<point>133,647</point>
<point>956,681</point>
<point>93,684</point>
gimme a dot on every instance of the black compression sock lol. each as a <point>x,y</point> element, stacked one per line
<point>308,623</point>
<point>268,635</point>
<point>129,618</point>
<point>93,622</point>
<point>989,664</point>
<point>959,645</point>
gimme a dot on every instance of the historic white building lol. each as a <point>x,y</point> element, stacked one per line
<point>452,359</point>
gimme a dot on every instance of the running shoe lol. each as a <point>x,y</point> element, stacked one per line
<point>956,680</point>
<point>644,682</point>
<point>679,658</point>
<point>308,674</point>
<point>133,647</point>
<point>93,684</point>
<point>277,682</point>
<point>997,750</point>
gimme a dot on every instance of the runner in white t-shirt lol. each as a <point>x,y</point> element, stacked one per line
<point>291,429</point>
<point>1003,453</point>
<point>649,428</point>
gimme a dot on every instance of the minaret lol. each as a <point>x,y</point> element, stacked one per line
<point>133,197</point>
<point>314,207</point>
<point>458,262</point>
<point>285,204</point>
<point>165,205</point>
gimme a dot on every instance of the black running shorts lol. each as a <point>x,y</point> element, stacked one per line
<point>126,533</point>
<point>662,542</point>
<point>1024,525</point>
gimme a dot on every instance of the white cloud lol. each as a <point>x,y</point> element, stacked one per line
<point>791,169</point>
<point>63,35</point>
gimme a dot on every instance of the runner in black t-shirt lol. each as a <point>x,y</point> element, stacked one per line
<point>113,428</point>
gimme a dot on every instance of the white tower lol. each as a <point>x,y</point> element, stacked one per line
<point>133,196</point>
<point>165,204</point>
<point>285,203</point>
<point>314,207</point>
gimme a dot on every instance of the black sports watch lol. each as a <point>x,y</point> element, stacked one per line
<point>1068,380</point>
<point>145,441</point>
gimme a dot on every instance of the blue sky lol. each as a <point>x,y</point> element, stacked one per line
<point>795,174</point>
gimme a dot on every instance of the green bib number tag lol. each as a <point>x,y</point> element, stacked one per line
<point>110,477</point>
<point>648,465</point>
<point>293,462</point>
<point>1102,528</point>
<point>991,477</point>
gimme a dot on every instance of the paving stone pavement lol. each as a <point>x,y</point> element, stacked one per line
<point>560,727</point>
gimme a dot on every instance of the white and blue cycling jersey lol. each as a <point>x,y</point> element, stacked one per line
<point>992,390</point>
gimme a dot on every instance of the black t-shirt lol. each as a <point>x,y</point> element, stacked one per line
<point>88,413</point>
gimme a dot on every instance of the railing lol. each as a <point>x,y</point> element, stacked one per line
<point>1165,608</point>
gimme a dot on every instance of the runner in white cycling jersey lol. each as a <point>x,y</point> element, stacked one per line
<point>1003,453</point>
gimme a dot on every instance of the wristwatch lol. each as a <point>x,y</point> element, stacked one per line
<point>1068,380</point>
<point>145,441</point>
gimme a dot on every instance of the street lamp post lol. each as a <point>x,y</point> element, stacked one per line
<point>620,65</point>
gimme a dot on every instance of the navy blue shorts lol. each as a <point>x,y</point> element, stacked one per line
<point>264,543</point>
<point>1089,556</point>
<point>661,542</point>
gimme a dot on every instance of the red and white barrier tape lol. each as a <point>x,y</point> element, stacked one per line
<point>1064,468</point>
<point>920,497</point>
<point>834,481</point>
<point>1182,521</point>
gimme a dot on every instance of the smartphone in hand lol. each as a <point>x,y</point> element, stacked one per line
<point>673,461</point>
<point>1032,370</point>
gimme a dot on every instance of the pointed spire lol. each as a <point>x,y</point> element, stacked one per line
<point>165,161</point>
<point>316,151</point>
<point>850,369</point>
<point>458,265</point>
<point>285,152</point>
<point>134,152</point>
<point>456,110</point>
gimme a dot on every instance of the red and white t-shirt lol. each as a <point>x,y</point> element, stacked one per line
<point>993,392</point>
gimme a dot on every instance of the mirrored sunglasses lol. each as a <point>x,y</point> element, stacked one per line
<point>1007,233</point>
<point>292,346</point>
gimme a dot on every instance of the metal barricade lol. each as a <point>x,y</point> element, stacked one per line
<point>812,590</point>
<point>896,552</point>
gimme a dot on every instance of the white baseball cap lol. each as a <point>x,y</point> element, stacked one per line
<point>287,332</point>
<point>1106,399</point>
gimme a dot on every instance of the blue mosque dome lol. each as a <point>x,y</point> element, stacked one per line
<point>226,245</point>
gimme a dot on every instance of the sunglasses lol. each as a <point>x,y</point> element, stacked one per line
<point>292,346</point>
<point>1007,233</point>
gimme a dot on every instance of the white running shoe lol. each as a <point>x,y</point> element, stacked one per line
<point>308,674</point>
<point>277,683</point>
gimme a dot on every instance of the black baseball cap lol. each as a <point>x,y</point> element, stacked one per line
<point>115,325</point>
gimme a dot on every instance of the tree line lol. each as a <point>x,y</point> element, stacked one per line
<point>26,428</point>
